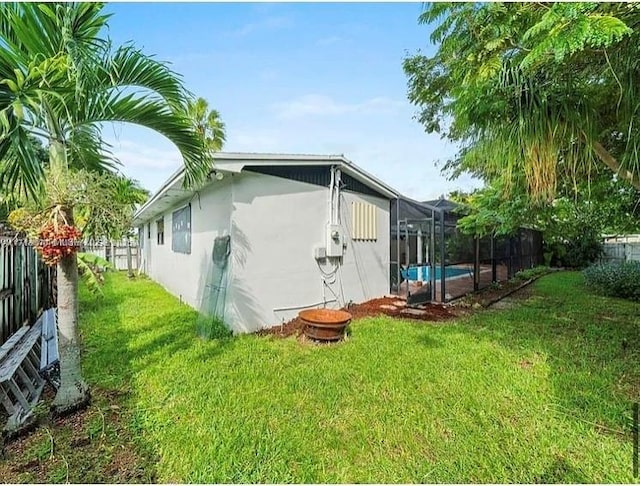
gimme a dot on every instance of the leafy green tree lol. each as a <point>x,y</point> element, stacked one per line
<point>61,80</point>
<point>542,90</point>
<point>572,223</point>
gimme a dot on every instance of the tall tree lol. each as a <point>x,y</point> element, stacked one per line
<point>207,123</point>
<point>539,89</point>
<point>61,80</point>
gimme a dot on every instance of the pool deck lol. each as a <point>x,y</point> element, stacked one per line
<point>455,286</point>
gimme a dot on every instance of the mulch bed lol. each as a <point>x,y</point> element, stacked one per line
<point>389,306</point>
<point>396,307</point>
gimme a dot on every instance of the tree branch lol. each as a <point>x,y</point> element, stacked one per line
<point>615,166</point>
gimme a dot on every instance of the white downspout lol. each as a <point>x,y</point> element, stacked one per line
<point>331,192</point>
<point>337,180</point>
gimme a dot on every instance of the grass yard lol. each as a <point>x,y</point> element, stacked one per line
<point>538,393</point>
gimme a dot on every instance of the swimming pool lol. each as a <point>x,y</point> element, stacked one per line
<point>449,272</point>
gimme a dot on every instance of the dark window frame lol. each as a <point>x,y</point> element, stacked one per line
<point>181,229</point>
<point>160,231</point>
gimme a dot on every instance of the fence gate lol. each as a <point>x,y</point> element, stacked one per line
<point>413,260</point>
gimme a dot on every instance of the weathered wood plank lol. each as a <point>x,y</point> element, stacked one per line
<point>6,401</point>
<point>11,342</point>
<point>27,381</point>
<point>49,351</point>
<point>20,351</point>
<point>31,365</point>
<point>18,394</point>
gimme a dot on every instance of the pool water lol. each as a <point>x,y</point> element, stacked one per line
<point>449,272</point>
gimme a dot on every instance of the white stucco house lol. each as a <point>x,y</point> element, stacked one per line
<point>290,232</point>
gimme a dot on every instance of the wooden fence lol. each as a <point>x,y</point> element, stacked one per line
<point>26,286</point>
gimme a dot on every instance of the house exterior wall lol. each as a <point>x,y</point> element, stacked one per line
<point>184,275</point>
<point>366,264</point>
<point>274,224</point>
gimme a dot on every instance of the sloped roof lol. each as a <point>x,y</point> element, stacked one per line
<point>442,203</point>
<point>172,191</point>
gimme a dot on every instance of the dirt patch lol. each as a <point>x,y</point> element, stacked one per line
<point>95,445</point>
<point>394,307</point>
<point>292,328</point>
<point>526,364</point>
<point>388,306</point>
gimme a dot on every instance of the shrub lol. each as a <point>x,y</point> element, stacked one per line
<point>532,272</point>
<point>577,252</point>
<point>615,279</point>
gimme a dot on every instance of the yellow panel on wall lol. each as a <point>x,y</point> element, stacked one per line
<point>365,222</point>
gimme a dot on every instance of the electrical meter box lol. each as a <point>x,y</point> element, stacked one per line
<point>335,238</point>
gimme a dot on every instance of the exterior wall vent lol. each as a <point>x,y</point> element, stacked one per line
<point>364,221</point>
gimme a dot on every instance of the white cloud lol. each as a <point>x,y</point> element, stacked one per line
<point>393,148</point>
<point>254,140</point>
<point>322,105</point>
<point>150,160</point>
<point>136,156</point>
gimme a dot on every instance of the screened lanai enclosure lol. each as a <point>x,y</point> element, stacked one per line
<point>433,261</point>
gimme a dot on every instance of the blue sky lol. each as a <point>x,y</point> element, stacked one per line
<point>293,78</point>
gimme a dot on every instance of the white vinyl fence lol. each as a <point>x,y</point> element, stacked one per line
<point>622,248</point>
<point>116,253</point>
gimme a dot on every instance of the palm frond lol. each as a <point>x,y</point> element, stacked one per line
<point>153,113</point>
<point>88,150</point>
<point>91,267</point>
<point>130,67</point>
<point>22,168</point>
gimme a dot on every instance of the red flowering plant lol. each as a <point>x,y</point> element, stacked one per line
<point>58,240</point>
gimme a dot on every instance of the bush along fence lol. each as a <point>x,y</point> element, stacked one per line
<point>27,285</point>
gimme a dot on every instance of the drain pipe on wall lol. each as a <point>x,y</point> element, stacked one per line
<point>301,307</point>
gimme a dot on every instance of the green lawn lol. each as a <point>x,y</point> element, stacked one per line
<point>538,393</point>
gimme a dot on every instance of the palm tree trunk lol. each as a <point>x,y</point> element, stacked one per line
<point>73,392</point>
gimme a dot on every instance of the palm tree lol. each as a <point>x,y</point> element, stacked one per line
<point>208,123</point>
<point>60,81</point>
